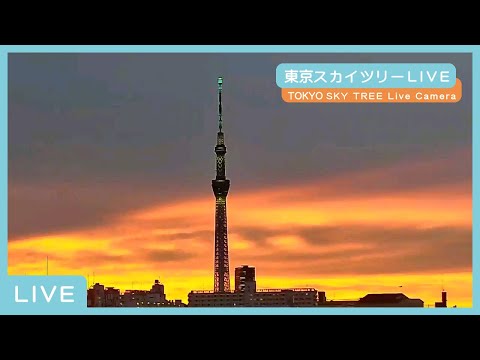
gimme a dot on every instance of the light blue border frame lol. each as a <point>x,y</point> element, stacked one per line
<point>473,49</point>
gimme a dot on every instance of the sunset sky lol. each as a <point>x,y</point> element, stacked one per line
<point>111,158</point>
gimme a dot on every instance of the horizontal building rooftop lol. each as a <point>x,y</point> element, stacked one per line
<point>258,291</point>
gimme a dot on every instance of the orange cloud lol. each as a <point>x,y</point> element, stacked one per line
<point>347,235</point>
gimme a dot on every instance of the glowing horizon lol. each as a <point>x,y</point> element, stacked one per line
<point>329,234</point>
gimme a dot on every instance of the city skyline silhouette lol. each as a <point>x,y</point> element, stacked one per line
<point>110,159</point>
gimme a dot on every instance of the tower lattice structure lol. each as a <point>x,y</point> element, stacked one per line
<point>220,188</point>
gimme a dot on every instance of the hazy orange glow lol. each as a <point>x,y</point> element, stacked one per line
<point>295,236</point>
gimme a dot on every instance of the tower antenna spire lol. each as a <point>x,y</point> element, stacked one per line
<point>220,120</point>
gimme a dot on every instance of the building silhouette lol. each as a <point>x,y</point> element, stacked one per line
<point>145,298</point>
<point>389,300</point>
<point>442,303</point>
<point>376,300</point>
<point>100,296</point>
<point>246,294</point>
<point>220,188</point>
<point>301,297</point>
<point>245,278</point>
